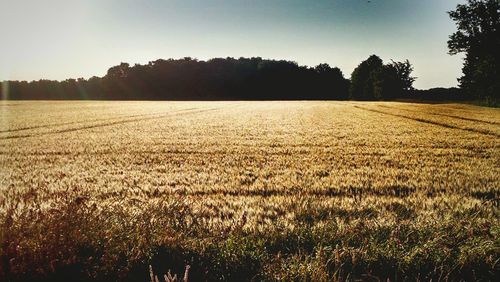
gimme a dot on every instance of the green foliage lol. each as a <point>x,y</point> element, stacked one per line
<point>478,36</point>
<point>363,78</point>
<point>386,83</point>
<point>111,245</point>
<point>372,80</point>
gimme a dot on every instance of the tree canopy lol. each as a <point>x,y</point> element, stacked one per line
<point>191,79</point>
<point>226,79</point>
<point>372,80</point>
<point>478,36</point>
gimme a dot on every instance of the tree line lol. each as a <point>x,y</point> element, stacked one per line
<point>220,79</point>
<point>477,35</point>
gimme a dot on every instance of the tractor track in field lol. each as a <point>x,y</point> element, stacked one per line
<point>473,130</point>
<point>444,115</point>
<point>166,115</point>
<point>396,191</point>
<point>49,126</point>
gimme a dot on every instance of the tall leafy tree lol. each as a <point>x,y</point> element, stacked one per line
<point>386,84</point>
<point>393,80</point>
<point>363,78</point>
<point>403,73</point>
<point>478,36</point>
<point>372,80</point>
<point>331,80</point>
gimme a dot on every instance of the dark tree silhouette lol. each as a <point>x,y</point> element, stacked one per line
<point>332,80</point>
<point>190,79</point>
<point>393,80</point>
<point>386,84</point>
<point>227,79</point>
<point>363,79</point>
<point>439,94</point>
<point>372,80</point>
<point>478,36</point>
<point>403,73</point>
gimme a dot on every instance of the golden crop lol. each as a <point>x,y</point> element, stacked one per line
<point>241,190</point>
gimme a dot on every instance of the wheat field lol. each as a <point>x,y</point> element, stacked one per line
<point>294,191</point>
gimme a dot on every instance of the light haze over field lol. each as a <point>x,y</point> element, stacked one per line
<point>59,39</point>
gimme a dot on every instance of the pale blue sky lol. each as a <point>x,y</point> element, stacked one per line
<point>59,39</point>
